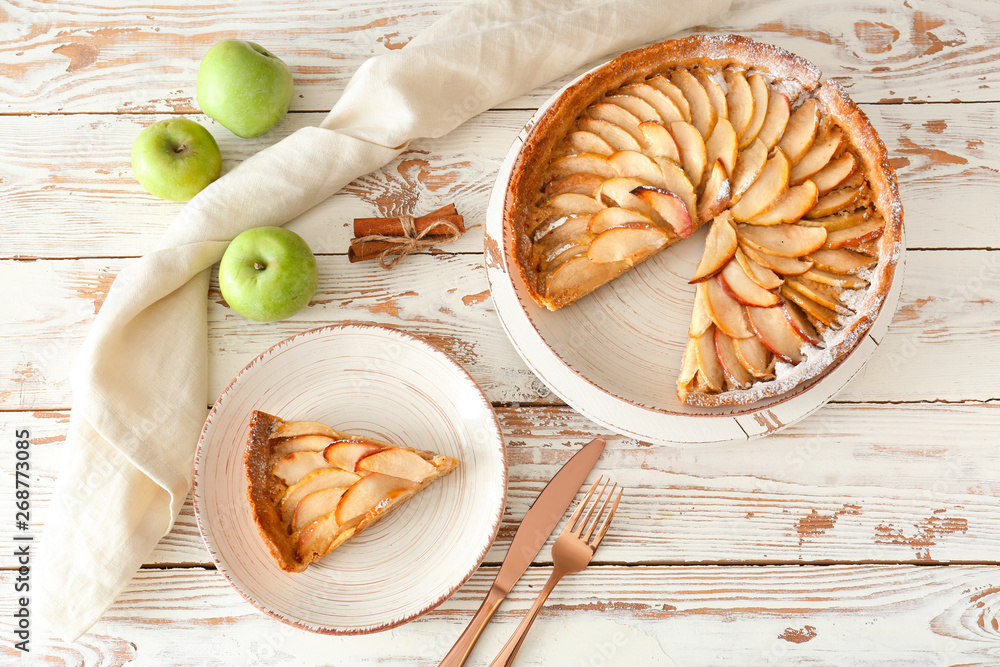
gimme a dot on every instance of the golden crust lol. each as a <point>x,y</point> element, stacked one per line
<point>264,491</point>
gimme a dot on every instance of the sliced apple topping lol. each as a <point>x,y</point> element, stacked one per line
<point>581,184</point>
<point>618,192</point>
<point>786,266</point>
<point>658,142</point>
<point>726,312</point>
<point>776,333</point>
<point>761,275</point>
<point>315,505</point>
<point>398,462</point>
<point>322,535</point>
<point>761,99</point>
<point>818,156</point>
<point>374,491</point>
<point>570,203</point>
<point>297,428</point>
<point>324,478</point>
<point>345,454</point>
<point>588,142</point>
<point>677,182</point>
<point>301,443</point>
<point>570,230</point>
<point>700,319</point>
<point>636,106</point>
<point>561,254</point>
<point>580,276</point>
<point>703,114</point>
<point>616,137</point>
<point>616,115</point>
<point>755,357</point>
<point>820,314</point>
<point>834,174</point>
<point>720,246</point>
<point>630,243</point>
<point>803,327</point>
<point>722,145</point>
<point>789,207</point>
<point>749,164</point>
<point>709,367</point>
<point>636,165</point>
<point>290,468</point>
<point>857,235</point>
<point>771,184</point>
<point>675,94</point>
<point>689,364</point>
<point>839,220</point>
<point>825,295</point>
<point>738,285</point>
<point>841,261</point>
<point>716,96</point>
<point>835,279</point>
<point>845,197</point>
<point>782,240</point>
<point>665,107</point>
<point>670,207</point>
<point>716,194</point>
<point>778,112</point>
<point>800,132</point>
<point>694,156</point>
<point>584,163</point>
<point>739,100</point>
<point>615,216</point>
<point>737,376</point>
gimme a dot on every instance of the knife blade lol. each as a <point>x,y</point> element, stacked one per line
<point>538,523</point>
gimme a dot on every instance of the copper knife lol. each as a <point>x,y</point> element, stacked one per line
<point>538,523</point>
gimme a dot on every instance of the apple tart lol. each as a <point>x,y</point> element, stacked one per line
<point>311,488</point>
<point>803,213</point>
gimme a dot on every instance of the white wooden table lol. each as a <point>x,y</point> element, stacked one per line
<point>867,534</point>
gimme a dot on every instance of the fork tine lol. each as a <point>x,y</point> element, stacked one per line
<point>597,518</point>
<point>590,512</point>
<point>579,509</point>
<point>607,520</point>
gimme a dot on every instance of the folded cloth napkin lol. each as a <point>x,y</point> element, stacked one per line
<point>140,382</point>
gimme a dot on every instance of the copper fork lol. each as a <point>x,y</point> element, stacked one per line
<point>572,551</point>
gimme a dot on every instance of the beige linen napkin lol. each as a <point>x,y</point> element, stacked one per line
<point>140,382</point>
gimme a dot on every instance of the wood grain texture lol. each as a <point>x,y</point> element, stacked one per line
<point>144,58</point>
<point>852,483</point>
<point>668,616</point>
<point>73,172</point>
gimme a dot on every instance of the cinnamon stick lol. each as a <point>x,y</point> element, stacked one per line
<point>394,226</point>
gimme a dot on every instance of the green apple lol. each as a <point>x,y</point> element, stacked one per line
<point>175,159</point>
<point>268,274</point>
<point>244,86</point>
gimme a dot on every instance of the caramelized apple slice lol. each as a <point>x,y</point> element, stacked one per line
<point>570,230</point>
<point>786,266</point>
<point>636,106</point>
<point>630,243</point>
<point>398,462</point>
<point>290,468</point>
<point>582,184</point>
<point>738,376</point>
<point>818,156</point>
<point>749,164</point>
<point>802,326</point>
<point>720,246</point>
<point>740,287</point>
<point>703,115</point>
<point>835,173</point>
<point>722,145</point>
<point>658,142</point>
<point>715,196</point>
<point>825,295</point>
<point>570,203</point>
<point>839,220</point>
<point>618,192</point>
<point>577,277</point>
<point>801,131</point>
<point>615,216</point>
<point>674,93</point>
<point>616,137</point>
<point>665,107</point>
<point>754,357</point>
<point>789,207</point>
<point>700,319</point>
<point>856,235</point>
<point>301,443</point>
<point>716,97</point>
<point>324,478</point>
<point>761,275</point>
<point>771,184</point>
<point>322,535</point>
<point>727,313</point>
<point>708,361</point>
<point>294,429</point>
<point>315,505</point>
<point>821,314</point>
<point>670,207</point>
<point>584,163</point>
<point>761,99</point>
<point>841,261</point>
<point>588,142</point>
<point>694,156</point>
<point>845,197</point>
<point>834,279</point>
<point>616,115</point>
<point>371,491</point>
<point>636,165</point>
<point>740,101</point>
<point>776,120</point>
<point>678,183</point>
<point>689,364</point>
<point>783,240</point>
<point>560,254</point>
<point>775,332</point>
<point>345,454</point>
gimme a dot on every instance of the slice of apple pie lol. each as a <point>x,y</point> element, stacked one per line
<point>311,488</point>
<point>804,213</point>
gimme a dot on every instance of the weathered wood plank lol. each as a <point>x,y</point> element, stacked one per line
<point>944,342</point>
<point>853,483</point>
<point>89,201</point>
<point>123,57</point>
<point>839,615</point>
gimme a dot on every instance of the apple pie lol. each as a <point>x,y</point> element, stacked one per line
<point>311,488</point>
<point>802,208</point>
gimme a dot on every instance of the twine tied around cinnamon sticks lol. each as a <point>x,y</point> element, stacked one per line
<point>377,238</point>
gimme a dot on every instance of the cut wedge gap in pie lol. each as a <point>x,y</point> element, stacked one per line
<point>309,501</point>
<point>803,208</point>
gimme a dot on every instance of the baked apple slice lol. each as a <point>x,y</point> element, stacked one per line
<point>783,240</point>
<point>743,289</point>
<point>776,333</point>
<point>778,113</point>
<point>740,101</point>
<point>789,207</point>
<point>771,184</point>
<point>720,246</point>
<point>658,142</point>
<point>670,207</point>
<point>631,243</point>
